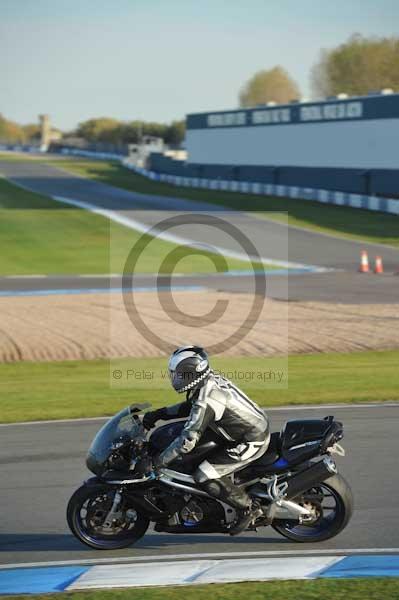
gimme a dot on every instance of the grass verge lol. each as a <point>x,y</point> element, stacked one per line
<point>72,389</point>
<point>340,221</point>
<point>40,236</point>
<point>339,589</point>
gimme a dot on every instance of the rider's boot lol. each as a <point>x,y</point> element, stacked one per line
<point>247,511</point>
<point>245,517</point>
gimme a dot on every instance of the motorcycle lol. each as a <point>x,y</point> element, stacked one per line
<point>295,482</point>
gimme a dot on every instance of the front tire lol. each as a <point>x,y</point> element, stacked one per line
<point>86,512</point>
<point>328,522</point>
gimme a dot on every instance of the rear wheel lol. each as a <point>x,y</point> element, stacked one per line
<point>87,512</point>
<point>331,507</point>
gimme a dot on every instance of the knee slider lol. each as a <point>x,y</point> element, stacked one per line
<point>189,441</point>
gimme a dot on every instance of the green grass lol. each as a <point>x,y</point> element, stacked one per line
<point>18,156</point>
<point>319,589</point>
<point>71,389</point>
<point>336,220</point>
<point>41,236</point>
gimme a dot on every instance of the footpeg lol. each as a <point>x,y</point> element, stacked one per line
<point>276,491</point>
<point>279,507</point>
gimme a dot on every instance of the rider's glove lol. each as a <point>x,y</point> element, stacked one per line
<point>147,467</point>
<point>150,418</point>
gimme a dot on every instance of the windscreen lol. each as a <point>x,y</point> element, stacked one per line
<point>120,427</point>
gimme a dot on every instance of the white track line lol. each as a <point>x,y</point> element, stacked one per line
<point>169,237</point>
<point>138,226</point>
<point>298,227</point>
<point>215,555</point>
<point>326,407</point>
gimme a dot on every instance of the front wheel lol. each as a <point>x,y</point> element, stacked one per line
<point>331,507</point>
<point>86,514</point>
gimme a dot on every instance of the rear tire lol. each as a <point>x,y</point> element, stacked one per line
<point>327,527</point>
<point>95,501</point>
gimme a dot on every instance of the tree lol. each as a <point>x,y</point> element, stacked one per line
<point>31,131</point>
<point>10,131</point>
<point>357,67</point>
<point>175,133</point>
<point>111,131</point>
<point>274,85</point>
<point>98,130</point>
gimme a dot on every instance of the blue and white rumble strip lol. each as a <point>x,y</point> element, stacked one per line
<point>189,572</point>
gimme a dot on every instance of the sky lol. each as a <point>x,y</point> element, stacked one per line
<point>161,59</point>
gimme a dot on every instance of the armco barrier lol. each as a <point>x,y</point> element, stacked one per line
<point>91,154</point>
<point>375,203</point>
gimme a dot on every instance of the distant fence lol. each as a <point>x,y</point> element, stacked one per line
<point>375,203</point>
<point>19,147</point>
<point>118,150</point>
<point>370,182</point>
<point>91,154</point>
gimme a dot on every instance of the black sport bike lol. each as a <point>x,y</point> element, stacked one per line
<point>296,483</point>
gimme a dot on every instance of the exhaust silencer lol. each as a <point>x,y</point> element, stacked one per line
<point>310,477</point>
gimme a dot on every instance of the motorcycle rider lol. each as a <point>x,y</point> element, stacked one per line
<point>213,401</point>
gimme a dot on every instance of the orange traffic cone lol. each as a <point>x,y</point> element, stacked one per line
<point>378,265</point>
<point>364,262</point>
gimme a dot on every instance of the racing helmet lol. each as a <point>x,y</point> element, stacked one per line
<point>188,368</point>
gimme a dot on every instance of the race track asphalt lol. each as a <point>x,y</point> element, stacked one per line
<point>42,464</point>
<point>273,240</point>
<point>337,286</point>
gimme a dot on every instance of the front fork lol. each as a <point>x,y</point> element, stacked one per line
<point>114,512</point>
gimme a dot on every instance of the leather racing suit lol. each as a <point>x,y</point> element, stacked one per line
<point>221,406</point>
